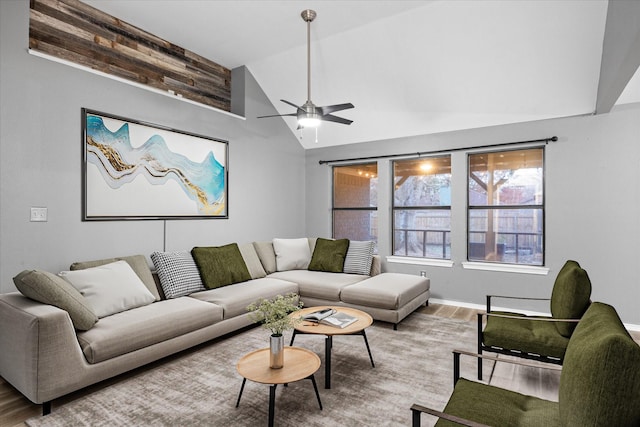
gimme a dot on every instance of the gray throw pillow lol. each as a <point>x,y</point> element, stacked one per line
<point>178,273</point>
<point>359,257</point>
<point>267,256</point>
<point>252,260</point>
<point>48,288</point>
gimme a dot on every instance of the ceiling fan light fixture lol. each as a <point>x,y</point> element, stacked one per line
<point>309,122</point>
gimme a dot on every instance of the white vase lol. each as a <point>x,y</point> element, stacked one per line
<point>276,356</point>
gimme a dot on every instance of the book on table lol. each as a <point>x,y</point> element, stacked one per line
<point>331,317</point>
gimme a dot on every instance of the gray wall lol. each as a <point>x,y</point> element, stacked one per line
<point>592,206</point>
<point>40,163</point>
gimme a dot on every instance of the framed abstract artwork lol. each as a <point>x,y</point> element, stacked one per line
<point>137,170</point>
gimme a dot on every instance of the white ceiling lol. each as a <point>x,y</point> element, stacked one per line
<point>409,67</point>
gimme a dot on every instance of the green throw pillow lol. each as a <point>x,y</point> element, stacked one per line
<point>220,265</point>
<point>48,288</point>
<point>329,255</point>
<point>570,297</point>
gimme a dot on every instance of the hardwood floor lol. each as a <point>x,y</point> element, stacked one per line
<point>15,408</point>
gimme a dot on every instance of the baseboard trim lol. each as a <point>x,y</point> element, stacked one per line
<point>629,326</point>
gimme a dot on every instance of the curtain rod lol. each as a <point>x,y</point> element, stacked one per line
<point>450,150</point>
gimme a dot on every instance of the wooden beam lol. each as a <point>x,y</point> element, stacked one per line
<point>76,32</point>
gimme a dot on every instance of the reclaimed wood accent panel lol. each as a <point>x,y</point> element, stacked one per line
<point>76,32</point>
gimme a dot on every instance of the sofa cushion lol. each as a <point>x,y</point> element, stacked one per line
<point>292,254</point>
<point>359,257</point>
<point>319,284</point>
<point>267,256</point>
<point>220,265</point>
<point>570,296</point>
<point>387,290</point>
<point>600,379</point>
<point>110,288</point>
<point>496,406</point>
<point>48,288</point>
<point>178,273</point>
<point>137,262</point>
<point>235,299</point>
<point>328,255</point>
<point>252,261</point>
<point>145,326</point>
<point>524,334</point>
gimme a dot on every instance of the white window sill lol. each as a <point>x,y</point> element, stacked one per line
<point>506,268</point>
<point>431,262</point>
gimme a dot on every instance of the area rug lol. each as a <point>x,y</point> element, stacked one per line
<point>200,387</point>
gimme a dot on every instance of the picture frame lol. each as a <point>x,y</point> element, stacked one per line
<point>134,170</point>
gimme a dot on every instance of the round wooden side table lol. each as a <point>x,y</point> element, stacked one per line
<point>299,364</point>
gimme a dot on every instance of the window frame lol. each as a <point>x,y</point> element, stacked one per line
<point>395,208</point>
<point>541,206</point>
<point>335,209</point>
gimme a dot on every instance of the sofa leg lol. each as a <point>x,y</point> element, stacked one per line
<point>46,408</point>
<point>395,326</point>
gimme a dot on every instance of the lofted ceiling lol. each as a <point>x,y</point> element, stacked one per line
<point>409,67</point>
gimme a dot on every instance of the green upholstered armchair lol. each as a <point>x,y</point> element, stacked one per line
<point>539,338</point>
<point>599,384</point>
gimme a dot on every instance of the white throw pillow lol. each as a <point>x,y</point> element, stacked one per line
<point>110,288</point>
<point>292,254</point>
<point>359,257</point>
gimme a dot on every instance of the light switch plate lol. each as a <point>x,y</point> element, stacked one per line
<point>38,214</point>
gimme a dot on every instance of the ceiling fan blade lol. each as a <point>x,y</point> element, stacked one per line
<point>336,119</point>
<point>292,104</point>
<point>333,108</point>
<point>277,115</point>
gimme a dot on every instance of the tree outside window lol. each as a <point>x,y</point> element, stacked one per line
<point>506,207</point>
<point>422,207</point>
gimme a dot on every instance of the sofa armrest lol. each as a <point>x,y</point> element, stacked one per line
<point>416,410</point>
<point>35,339</point>
<point>489,297</point>
<point>458,353</point>
<point>528,318</point>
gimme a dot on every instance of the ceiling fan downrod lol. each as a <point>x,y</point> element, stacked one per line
<point>308,16</point>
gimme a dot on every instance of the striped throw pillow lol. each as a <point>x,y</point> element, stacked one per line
<point>359,257</point>
<point>178,273</point>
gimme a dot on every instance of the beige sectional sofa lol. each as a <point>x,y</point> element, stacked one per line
<point>45,357</point>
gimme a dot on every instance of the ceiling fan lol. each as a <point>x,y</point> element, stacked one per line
<point>310,115</point>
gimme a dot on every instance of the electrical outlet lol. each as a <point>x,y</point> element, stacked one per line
<point>38,214</point>
<point>423,273</point>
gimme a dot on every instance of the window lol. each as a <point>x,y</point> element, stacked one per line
<point>422,207</point>
<point>355,202</point>
<point>506,207</point>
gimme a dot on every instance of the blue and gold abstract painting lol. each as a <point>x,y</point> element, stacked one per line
<point>141,171</point>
